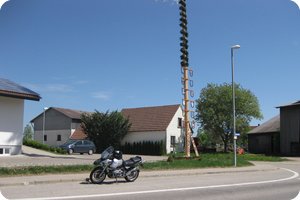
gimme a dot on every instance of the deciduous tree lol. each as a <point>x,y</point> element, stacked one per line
<point>28,132</point>
<point>214,110</point>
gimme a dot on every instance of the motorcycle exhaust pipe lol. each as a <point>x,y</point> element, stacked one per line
<point>129,172</point>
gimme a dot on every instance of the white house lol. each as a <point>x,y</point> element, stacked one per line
<point>12,98</point>
<point>160,123</point>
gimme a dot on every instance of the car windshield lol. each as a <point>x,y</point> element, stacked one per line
<point>107,152</point>
<point>69,142</point>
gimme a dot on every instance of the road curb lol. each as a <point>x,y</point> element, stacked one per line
<point>210,172</point>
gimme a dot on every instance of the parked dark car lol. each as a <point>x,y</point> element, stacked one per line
<point>79,146</point>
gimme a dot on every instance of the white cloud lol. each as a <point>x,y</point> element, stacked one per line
<point>81,82</point>
<point>58,88</point>
<point>168,1</point>
<point>101,95</point>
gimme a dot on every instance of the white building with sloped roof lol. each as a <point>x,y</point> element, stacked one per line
<point>12,96</point>
<point>56,125</point>
<point>158,123</point>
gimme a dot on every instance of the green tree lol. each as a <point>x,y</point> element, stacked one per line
<point>206,140</point>
<point>28,132</point>
<point>214,110</point>
<point>105,129</point>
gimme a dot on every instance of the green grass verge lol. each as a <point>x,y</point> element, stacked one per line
<point>261,157</point>
<point>40,170</point>
<point>205,161</point>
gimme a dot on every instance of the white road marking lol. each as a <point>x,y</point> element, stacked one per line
<point>295,175</point>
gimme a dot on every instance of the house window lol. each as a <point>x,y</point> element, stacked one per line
<point>45,137</point>
<point>4,151</point>
<point>179,122</point>
<point>173,141</point>
<point>58,137</point>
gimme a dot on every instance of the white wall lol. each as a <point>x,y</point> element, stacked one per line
<point>165,136</point>
<point>174,130</point>
<point>144,136</point>
<point>52,137</point>
<point>11,124</point>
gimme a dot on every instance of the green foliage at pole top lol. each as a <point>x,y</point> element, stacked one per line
<point>184,34</point>
<point>214,110</point>
<point>105,129</point>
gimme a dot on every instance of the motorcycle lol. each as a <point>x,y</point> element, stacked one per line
<point>111,164</point>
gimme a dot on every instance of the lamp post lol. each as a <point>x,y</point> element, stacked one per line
<point>44,120</point>
<point>233,101</point>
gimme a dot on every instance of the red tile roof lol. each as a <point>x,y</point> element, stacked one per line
<point>78,134</point>
<point>150,118</point>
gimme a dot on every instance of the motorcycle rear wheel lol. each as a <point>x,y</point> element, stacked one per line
<point>97,175</point>
<point>132,176</point>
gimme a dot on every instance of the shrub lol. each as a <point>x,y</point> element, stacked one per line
<point>38,145</point>
<point>105,129</point>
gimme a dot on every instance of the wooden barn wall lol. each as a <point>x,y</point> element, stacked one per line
<point>260,143</point>
<point>290,130</point>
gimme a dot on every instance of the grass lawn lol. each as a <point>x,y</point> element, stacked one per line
<point>260,157</point>
<point>39,170</point>
<point>205,161</point>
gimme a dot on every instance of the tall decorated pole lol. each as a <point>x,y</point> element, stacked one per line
<point>185,71</point>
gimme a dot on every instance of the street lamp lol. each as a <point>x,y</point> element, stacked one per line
<point>44,119</point>
<point>233,101</point>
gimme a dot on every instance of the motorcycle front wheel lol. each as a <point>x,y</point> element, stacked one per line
<point>132,176</point>
<point>97,175</point>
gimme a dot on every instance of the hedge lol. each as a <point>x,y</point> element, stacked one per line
<point>38,145</point>
<point>144,148</point>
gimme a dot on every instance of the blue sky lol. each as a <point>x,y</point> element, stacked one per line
<point>114,54</point>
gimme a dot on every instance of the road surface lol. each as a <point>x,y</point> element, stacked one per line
<point>280,183</point>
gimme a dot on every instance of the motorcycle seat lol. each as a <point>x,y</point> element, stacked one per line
<point>132,161</point>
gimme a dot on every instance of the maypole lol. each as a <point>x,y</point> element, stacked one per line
<point>186,71</point>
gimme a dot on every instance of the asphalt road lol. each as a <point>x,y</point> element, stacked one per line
<point>280,183</point>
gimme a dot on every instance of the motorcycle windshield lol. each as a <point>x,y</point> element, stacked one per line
<point>107,153</point>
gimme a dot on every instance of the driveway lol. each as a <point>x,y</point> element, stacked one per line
<point>36,157</point>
